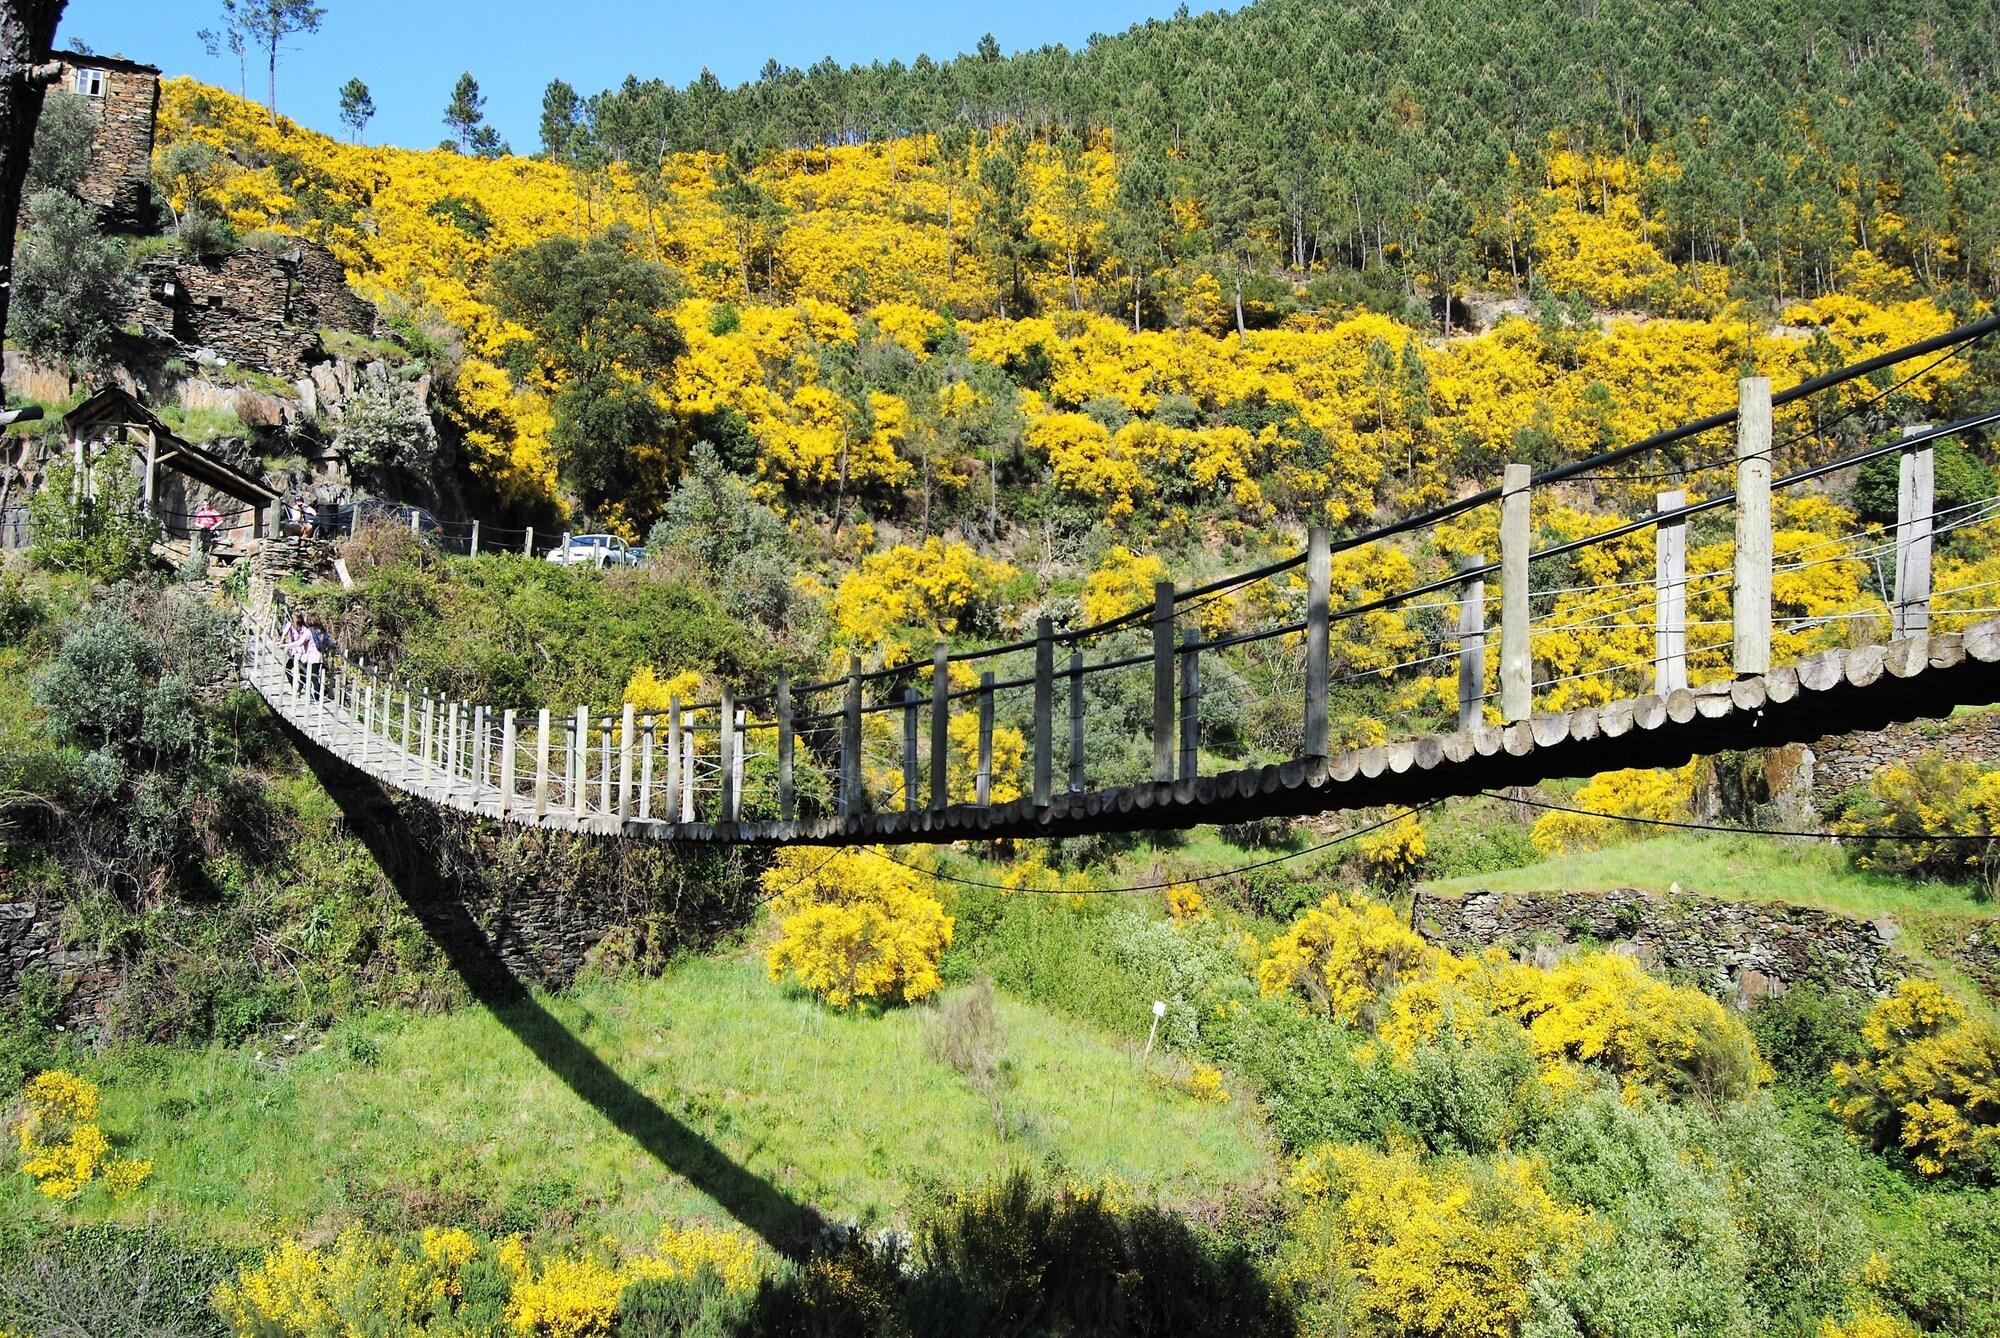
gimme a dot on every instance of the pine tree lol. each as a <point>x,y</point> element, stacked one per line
<point>357,107</point>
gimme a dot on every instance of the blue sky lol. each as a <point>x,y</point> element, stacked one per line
<point>410,52</point>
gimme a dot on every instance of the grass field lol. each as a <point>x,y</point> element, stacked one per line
<point>401,1119</point>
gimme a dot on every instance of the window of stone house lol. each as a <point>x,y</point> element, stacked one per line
<point>90,83</point>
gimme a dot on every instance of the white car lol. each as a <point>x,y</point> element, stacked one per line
<point>593,550</point>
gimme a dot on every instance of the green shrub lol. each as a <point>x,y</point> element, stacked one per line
<point>1944,1271</point>
<point>106,536</point>
<point>697,1307</point>
<point>135,1283</point>
<point>69,281</point>
<point>1805,1031</point>
<point>1958,478</point>
<point>1921,806</point>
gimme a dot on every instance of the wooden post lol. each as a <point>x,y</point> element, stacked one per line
<point>687,773</point>
<point>1517,665</point>
<point>673,757</point>
<point>1077,777</point>
<point>579,774</point>
<point>472,546</point>
<point>1670,670</point>
<point>430,719</point>
<point>1752,612</point>
<point>646,742</point>
<point>725,754</point>
<point>152,470</point>
<point>910,750</point>
<point>1190,703</point>
<point>626,723</point>
<point>1914,522</point>
<point>1319,633</point>
<point>982,785</point>
<point>787,802</point>
<point>1045,675</point>
<point>403,757</point>
<point>413,522</point>
<point>528,543</point>
<point>508,742</point>
<point>541,762</point>
<point>850,742</point>
<point>1163,680</point>
<point>739,740</point>
<point>940,729</point>
<point>604,794</point>
<point>1471,643</point>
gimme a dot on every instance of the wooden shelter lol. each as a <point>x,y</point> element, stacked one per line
<point>180,479</point>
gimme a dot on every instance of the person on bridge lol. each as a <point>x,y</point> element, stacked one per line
<point>298,639</point>
<point>319,644</point>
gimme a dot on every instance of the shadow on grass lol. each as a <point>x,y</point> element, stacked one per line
<point>410,859</point>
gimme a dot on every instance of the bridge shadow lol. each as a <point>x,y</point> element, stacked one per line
<point>409,858</point>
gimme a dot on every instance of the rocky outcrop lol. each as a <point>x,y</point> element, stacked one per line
<point>1734,949</point>
<point>1845,762</point>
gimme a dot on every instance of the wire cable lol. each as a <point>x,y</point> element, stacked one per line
<point>1160,886</point>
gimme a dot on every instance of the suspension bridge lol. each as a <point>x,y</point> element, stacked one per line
<point>997,741</point>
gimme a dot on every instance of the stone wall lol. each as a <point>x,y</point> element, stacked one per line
<point>257,307</point>
<point>1748,950</point>
<point>1845,761</point>
<point>30,942</point>
<point>119,180</point>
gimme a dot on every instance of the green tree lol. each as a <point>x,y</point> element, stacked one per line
<point>1003,231</point>
<point>465,117</point>
<point>266,26</point>
<point>562,113</point>
<point>64,140</point>
<point>95,525</point>
<point>602,338</point>
<point>357,107</point>
<point>753,212</point>
<point>69,283</point>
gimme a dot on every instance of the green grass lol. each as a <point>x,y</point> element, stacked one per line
<point>1736,868</point>
<point>453,1114</point>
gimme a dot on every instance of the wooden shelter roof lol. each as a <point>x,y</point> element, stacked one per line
<point>114,406</point>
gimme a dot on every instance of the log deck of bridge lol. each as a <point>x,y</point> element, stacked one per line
<point>1836,692</point>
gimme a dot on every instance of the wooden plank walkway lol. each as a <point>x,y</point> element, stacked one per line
<point>1836,692</point>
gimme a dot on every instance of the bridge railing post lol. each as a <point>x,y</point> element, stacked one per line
<point>430,725</point>
<point>1670,594</point>
<point>1517,661</point>
<point>940,729</point>
<point>1163,681</point>
<point>1190,703</point>
<point>541,763</point>
<point>627,723</point>
<point>1077,777</point>
<point>673,758</point>
<point>727,755</point>
<point>509,740</point>
<point>739,744</point>
<point>472,545</point>
<point>1751,614</point>
<point>1045,686</point>
<point>1471,642</point>
<point>1319,634</point>
<point>579,762</point>
<point>647,742</point>
<point>910,700</point>
<point>403,753</point>
<point>528,543</point>
<point>787,802</point>
<point>605,797</point>
<point>850,742</point>
<point>1915,505</point>
<point>982,784</point>
<point>687,773</point>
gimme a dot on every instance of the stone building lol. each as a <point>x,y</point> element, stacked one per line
<point>258,306</point>
<point>125,96</point>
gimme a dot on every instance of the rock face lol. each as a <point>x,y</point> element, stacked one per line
<point>259,307</point>
<point>1846,761</point>
<point>1746,950</point>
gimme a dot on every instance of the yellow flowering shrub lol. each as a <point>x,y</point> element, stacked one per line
<point>1930,1083</point>
<point>1395,855</point>
<point>1342,957</point>
<point>1656,793</point>
<point>61,1144</point>
<point>370,1284</point>
<point>1922,805</point>
<point>1205,1084</point>
<point>1383,1244</point>
<point>1868,1324</point>
<point>648,692</point>
<point>1185,904</point>
<point>929,588</point>
<point>1122,581</point>
<point>855,927</point>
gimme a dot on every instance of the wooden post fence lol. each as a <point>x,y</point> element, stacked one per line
<point>1163,681</point>
<point>725,752</point>
<point>940,729</point>
<point>1319,631</point>
<point>1517,665</point>
<point>850,742</point>
<point>508,742</point>
<point>1076,757</point>
<point>982,793</point>
<point>628,722</point>
<point>1752,605</point>
<point>1190,703</point>
<point>1915,506</point>
<point>910,700</point>
<point>1045,674</point>
<point>1472,642</point>
<point>787,801</point>
<point>1670,594</point>
<point>541,763</point>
